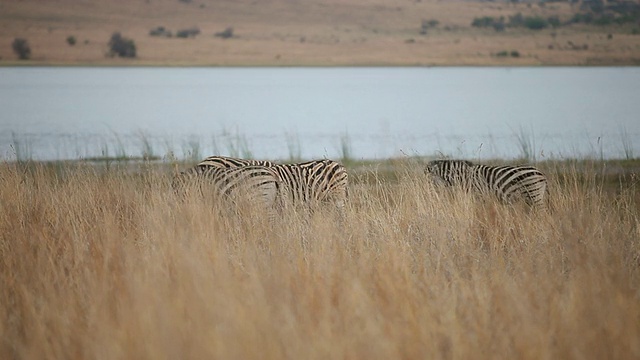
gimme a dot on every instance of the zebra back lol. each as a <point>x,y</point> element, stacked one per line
<point>251,184</point>
<point>451,172</point>
<point>505,182</point>
<point>306,183</point>
<point>317,181</point>
<point>511,182</point>
<point>230,162</point>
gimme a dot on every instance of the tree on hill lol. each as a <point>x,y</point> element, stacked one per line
<point>21,48</point>
<point>121,46</point>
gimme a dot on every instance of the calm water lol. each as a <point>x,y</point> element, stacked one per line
<point>275,113</point>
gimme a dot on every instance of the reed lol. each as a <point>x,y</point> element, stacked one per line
<point>108,264</point>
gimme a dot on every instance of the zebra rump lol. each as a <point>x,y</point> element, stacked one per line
<point>307,183</point>
<point>317,181</point>
<point>251,184</point>
<point>506,182</point>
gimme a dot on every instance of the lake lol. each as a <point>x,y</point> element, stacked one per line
<point>280,113</point>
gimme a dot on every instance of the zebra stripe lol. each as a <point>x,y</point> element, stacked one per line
<point>229,162</point>
<point>318,181</point>
<point>250,183</point>
<point>323,181</point>
<point>506,182</point>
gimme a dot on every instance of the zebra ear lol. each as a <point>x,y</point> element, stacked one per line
<point>430,167</point>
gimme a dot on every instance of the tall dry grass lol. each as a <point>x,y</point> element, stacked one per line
<point>107,265</point>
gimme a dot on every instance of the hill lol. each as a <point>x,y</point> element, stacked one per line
<point>321,32</point>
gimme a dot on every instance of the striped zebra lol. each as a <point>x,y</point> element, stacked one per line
<point>254,185</point>
<point>506,182</point>
<point>229,162</point>
<point>307,184</point>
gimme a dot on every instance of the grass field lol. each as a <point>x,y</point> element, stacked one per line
<point>303,33</point>
<point>105,263</point>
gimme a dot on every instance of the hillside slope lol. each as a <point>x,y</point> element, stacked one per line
<point>319,32</point>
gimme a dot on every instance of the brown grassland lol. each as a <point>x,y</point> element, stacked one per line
<point>318,32</point>
<point>98,264</point>
<point>104,262</point>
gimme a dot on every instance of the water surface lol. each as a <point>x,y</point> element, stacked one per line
<point>277,113</point>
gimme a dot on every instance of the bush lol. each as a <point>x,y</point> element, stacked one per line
<point>227,33</point>
<point>619,12</point>
<point>586,18</point>
<point>535,23</point>
<point>488,21</point>
<point>21,48</point>
<point>187,33</point>
<point>121,46</point>
<point>516,20</point>
<point>628,18</point>
<point>71,40</point>
<point>554,21</point>
<point>624,8</point>
<point>604,20</point>
<point>597,6</point>
<point>485,21</point>
<point>160,31</point>
<point>505,53</point>
<point>426,24</point>
<point>499,26</point>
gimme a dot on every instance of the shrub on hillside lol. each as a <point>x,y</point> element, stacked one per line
<point>516,20</point>
<point>535,23</point>
<point>21,48</point>
<point>160,31</point>
<point>505,53</point>
<point>226,33</point>
<point>604,19</point>
<point>597,6</point>
<point>121,46</point>
<point>485,21</point>
<point>71,40</point>
<point>554,21</point>
<point>531,22</point>
<point>598,13</point>
<point>499,26</point>
<point>586,18</point>
<point>188,33</point>
<point>426,24</point>
<point>488,21</point>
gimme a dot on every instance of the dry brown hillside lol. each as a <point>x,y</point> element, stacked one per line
<point>319,32</point>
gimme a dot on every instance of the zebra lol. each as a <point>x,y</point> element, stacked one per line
<point>230,162</point>
<point>506,182</point>
<point>307,183</point>
<point>249,184</point>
